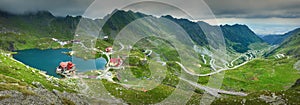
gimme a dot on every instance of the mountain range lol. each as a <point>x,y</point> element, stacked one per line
<point>44,25</point>
<point>289,45</point>
<point>278,39</point>
<point>237,37</point>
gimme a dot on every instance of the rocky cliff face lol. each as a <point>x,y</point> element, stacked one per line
<point>41,96</point>
<point>297,84</point>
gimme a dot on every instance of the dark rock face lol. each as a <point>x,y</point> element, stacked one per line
<point>17,98</point>
<point>11,46</point>
<point>41,97</point>
<point>296,84</point>
<point>37,84</point>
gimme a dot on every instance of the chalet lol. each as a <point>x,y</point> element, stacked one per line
<point>66,69</point>
<point>115,62</point>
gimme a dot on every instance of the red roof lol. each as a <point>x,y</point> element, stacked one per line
<point>70,65</point>
<point>63,64</point>
<point>108,49</point>
<point>115,61</point>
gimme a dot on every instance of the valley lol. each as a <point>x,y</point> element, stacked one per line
<point>163,64</point>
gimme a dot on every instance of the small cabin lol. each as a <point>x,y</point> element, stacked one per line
<point>66,69</point>
<point>115,62</point>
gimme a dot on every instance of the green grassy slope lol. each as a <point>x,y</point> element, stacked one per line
<point>262,74</point>
<point>261,77</point>
<point>290,46</point>
<point>239,37</point>
<point>35,30</point>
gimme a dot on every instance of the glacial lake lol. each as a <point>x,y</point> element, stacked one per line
<point>48,60</point>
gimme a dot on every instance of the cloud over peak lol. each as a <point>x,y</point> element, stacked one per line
<point>255,8</point>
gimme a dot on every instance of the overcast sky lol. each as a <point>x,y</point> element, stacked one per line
<point>263,16</point>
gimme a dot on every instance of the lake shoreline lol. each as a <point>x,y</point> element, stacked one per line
<point>35,69</point>
<point>34,57</point>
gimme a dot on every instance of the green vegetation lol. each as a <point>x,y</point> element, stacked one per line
<point>239,37</point>
<point>119,20</point>
<point>35,30</point>
<point>290,97</point>
<point>103,44</point>
<point>290,46</point>
<point>132,96</point>
<point>13,84</point>
<point>140,70</point>
<point>98,88</point>
<point>262,74</point>
<point>192,28</point>
<point>17,76</point>
<point>270,78</point>
<point>258,46</point>
<point>13,41</point>
<point>258,77</point>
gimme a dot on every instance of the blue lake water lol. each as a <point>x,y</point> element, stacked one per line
<point>48,60</point>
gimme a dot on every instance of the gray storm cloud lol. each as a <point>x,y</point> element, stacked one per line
<point>221,8</point>
<point>57,7</point>
<point>255,8</point>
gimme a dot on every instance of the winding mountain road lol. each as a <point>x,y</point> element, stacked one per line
<point>213,91</point>
<point>122,46</point>
<point>203,58</point>
<point>211,73</point>
<point>213,67</point>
